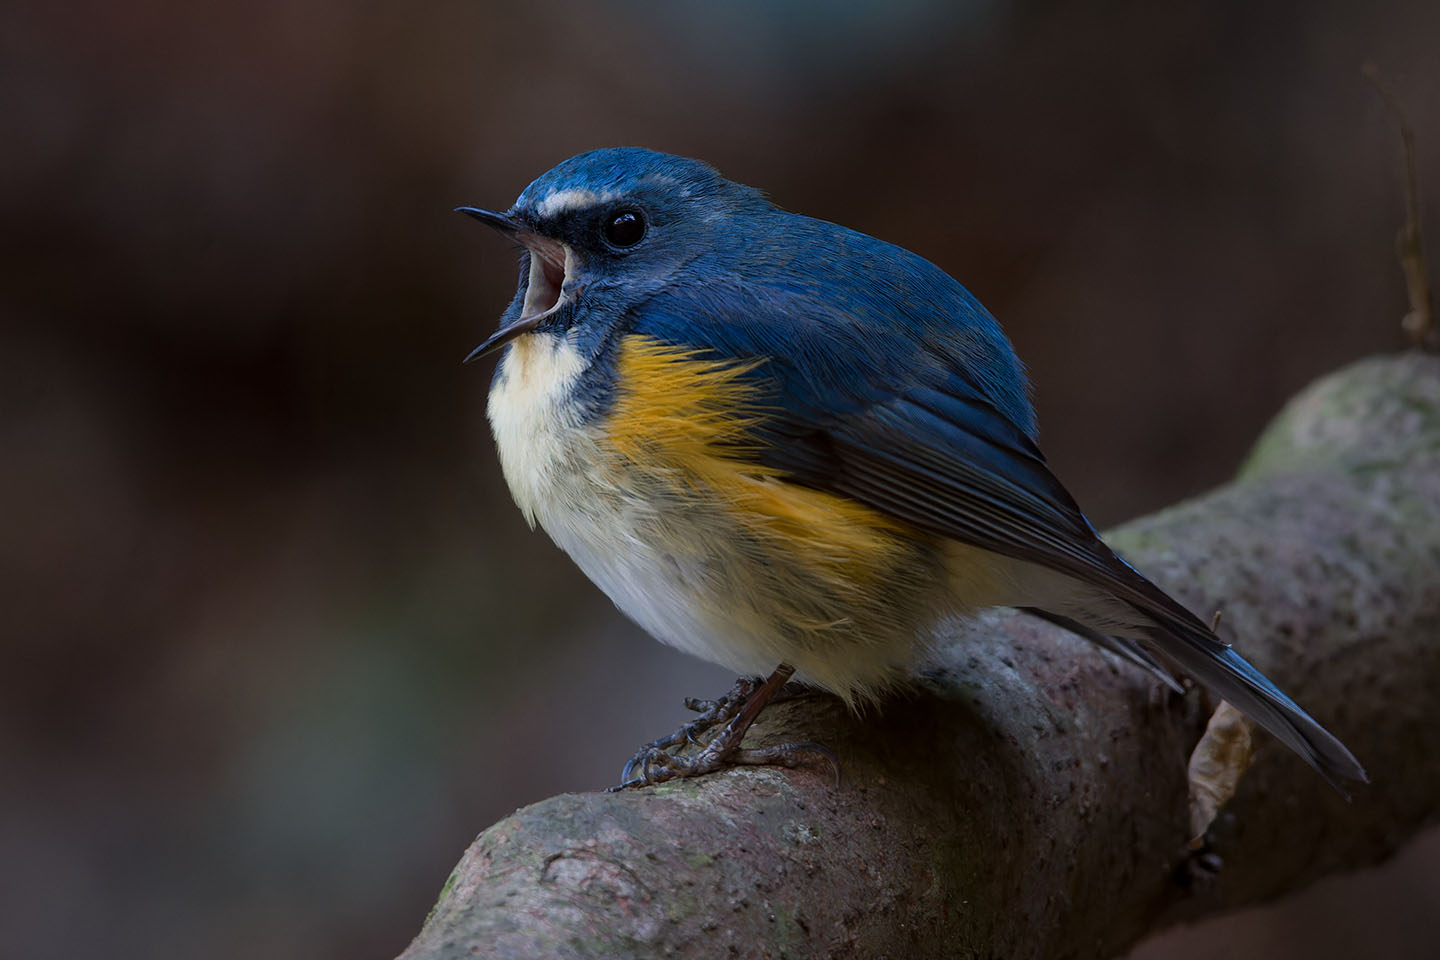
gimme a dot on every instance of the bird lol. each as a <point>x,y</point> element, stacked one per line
<point>792,449</point>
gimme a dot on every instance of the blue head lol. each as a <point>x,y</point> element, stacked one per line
<point>626,237</point>
<point>615,225</point>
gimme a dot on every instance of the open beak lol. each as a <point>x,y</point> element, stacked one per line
<point>549,266</point>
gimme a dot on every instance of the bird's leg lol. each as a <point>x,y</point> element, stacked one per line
<point>737,710</point>
<point>710,709</point>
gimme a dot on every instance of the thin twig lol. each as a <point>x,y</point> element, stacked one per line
<point>1419,323</point>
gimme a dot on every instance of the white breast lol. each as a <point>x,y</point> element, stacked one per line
<point>535,420</point>
<point>654,568</point>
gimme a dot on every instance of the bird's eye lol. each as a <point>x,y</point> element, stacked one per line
<point>624,228</point>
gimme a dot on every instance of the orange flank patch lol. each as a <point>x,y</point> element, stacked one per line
<point>684,418</point>
<point>674,406</point>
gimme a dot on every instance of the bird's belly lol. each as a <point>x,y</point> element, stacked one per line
<point>710,554</point>
<point>668,573</point>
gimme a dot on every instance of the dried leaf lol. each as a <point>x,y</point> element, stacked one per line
<point>1219,760</point>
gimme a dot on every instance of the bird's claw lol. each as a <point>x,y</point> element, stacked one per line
<point>657,766</point>
<point>663,759</point>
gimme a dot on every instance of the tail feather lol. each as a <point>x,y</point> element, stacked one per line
<point>1122,647</point>
<point>1228,674</point>
<point>1126,613</point>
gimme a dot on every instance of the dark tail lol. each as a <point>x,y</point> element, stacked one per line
<point>1126,605</point>
<point>1224,671</point>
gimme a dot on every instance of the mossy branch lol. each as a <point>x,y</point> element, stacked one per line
<point>1029,799</point>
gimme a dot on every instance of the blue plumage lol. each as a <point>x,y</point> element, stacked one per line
<point>832,383</point>
<point>782,284</point>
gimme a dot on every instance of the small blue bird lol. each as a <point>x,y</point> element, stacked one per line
<point>773,440</point>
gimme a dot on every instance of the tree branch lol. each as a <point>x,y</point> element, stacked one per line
<point>1029,798</point>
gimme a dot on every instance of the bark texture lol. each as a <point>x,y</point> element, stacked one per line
<point>1028,799</point>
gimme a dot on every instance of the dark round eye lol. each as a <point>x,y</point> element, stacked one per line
<point>625,228</point>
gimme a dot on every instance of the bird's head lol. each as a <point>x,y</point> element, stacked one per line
<point>617,224</point>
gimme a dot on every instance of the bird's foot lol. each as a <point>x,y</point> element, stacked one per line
<point>657,765</point>
<point>712,713</point>
<point>666,758</point>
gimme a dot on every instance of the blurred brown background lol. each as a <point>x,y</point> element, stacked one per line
<point>276,643</point>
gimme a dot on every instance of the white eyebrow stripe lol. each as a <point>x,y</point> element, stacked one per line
<point>562,201</point>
